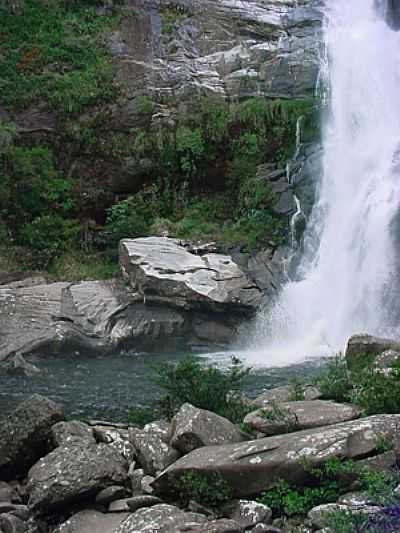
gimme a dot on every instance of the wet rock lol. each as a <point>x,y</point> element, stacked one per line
<point>138,502</point>
<point>362,350</point>
<point>90,521</point>
<point>255,466</point>
<point>73,472</point>
<point>193,427</point>
<point>248,513</point>
<point>154,455</point>
<point>285,394</point>
<point>110,494</point>
<point>274,419</point>
<point>162,518</point>
<point>25,433</point>
<point>16,364</point>
<point>67,432</point>
<point>163,271</point>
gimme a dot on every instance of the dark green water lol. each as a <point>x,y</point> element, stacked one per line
<point>107,386</point>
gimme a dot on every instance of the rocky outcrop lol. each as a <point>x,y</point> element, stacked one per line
<point>231,49</point>
<point>255,466</point>
<point>102,316</point>
<point>73,472</point>
<point>193,427</point>
<point>364,349</point>
<point>164,272</point>
<point>278,418</point>
<point>25,435</point>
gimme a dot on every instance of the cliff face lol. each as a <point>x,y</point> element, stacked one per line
<point>231,48</point>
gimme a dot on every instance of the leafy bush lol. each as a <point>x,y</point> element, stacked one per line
<point>335,383</point>
<point>140,416</point>
<point>208,489</point>
<point>205,387</point>
<point>280,415</point>
<point>78,266</point>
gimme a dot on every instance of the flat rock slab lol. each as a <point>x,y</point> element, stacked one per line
<point>274,419</point>
<point>161,518</point>
<point>162,270</point>
<point>74,472</point>
<point>285,394</point>
<point>255,466</point>
<point>363,349</point>
<point>25,434</point>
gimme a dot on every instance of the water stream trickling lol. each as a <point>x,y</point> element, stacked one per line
<point>346,281</point>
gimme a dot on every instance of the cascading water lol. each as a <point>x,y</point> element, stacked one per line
<point>349,267</point>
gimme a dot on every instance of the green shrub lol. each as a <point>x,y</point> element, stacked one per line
<point>206,387</point>
<point>210,489</point>
<point>77,265</point>
<point>280,415</point>
<point>376,393</point>
<point>335,382</point>
<point>140,416</point>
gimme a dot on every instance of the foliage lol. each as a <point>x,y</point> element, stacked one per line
<point>77,265</point>
<point>55,54</point>
<point>335,383</point>
<point>205,387</point>
<point>140,416</point>
<point>297,389</point>
<point>210,489</point>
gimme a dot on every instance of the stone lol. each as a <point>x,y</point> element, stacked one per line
<point>153,454</point>
<point>163,271</point>
<point>66,432</point>
<point>285,394</point>
<point>255,466</point>
<point>249,513</point>
<point>265,528</point>
<point>362,350</point>
<point>25,433</point>
<point>116,437</point>
<point>138,502</point>
<point>91,521</point>
<point>119,506</point>
<point>146,484</point>
<point>110,494</point>
<point>15,364</point>
<point>356,499</point>
<point>193,427</point>
<point>74,472</point>
<point>317,515</point>
<point>136,478</point>
<point>387,358</point>
<point>274,419</point>
<point>161,518</point>
<point>162,428</point>
<point>222,525</point>
<point>12,524</point>
<point>6,492</point>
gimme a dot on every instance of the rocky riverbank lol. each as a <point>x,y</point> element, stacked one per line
<point>200,472</point>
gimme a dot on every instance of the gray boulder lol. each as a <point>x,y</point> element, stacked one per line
<point>249,513</point>
<point>91,521</point>
<point>25,435</point>
<point>255,466</point>
<point>161,518</point>
<point>162,428</point>
<point>12,524</point>
<point>116,437</point>
<point>110,494</point>
<point>193,427</point>
<point>64,433</point>
<point>163,271</point>
<point>74,472</point>
<point>318,515</point>
<point>275,418</point>
<point>222,525</point>
<point>285,393</point>
<point>362,350</point>
<point>153,454</point>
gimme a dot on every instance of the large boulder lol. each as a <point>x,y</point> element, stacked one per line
<point>74,472</point>
<point>25,435</point>
<point>193,427</point>
<point>255,466</point>
<point>154,455</point>
<point>161,518</point>
<point>275,418</point>
<point>91,521</point>
<point>163,271</point>
<point>364,349</point>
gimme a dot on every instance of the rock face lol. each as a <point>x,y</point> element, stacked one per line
<point>73,472</point>
<point>229,48</point>
<point>163,271</point>
<point>25,434</point>
<point>102,316</point>
<point>254,466</point>
<point>293,416</point>
<point>193,427</point>
<point>364,349</point>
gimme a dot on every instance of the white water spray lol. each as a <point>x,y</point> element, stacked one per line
<point>349,262</point>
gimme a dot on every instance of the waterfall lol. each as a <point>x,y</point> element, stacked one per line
<point>347,278</point>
